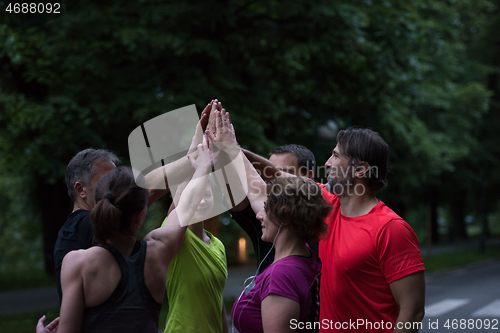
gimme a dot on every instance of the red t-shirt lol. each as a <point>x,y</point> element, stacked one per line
<point>361,256</point>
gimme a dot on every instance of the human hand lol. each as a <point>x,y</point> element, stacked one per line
<point>211,120</point>
<point>205,159</point>
<point>224,138</point>
<point>50,328</point>
<point>201,127</point>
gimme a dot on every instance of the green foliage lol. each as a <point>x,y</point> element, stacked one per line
<point>412,70</point>
<point>443,261</point>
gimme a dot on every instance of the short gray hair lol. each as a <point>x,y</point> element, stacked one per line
<point>80,169</point>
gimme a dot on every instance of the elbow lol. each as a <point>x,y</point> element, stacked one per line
<point>417,314</point>
<point>421,314</point>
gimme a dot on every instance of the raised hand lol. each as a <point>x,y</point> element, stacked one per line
<point>202,126</point>
<point>225,137</point>
<point>50,328</point>
<point>205,159</point>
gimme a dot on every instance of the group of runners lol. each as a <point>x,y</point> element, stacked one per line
<point>329,255</point>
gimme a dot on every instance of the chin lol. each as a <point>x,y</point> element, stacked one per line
<point>266,239</point>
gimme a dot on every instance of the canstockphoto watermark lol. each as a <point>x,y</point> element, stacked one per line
<point>358,324</point>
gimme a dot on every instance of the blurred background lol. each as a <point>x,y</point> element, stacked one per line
<point>424,74</point>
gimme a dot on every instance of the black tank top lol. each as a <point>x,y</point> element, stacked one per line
<point>130,308</point>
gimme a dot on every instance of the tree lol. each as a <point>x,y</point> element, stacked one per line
<point>91,76</point>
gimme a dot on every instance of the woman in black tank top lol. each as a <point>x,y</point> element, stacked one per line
<point>118,286</point>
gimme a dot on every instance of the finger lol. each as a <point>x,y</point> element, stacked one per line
<point>226,116</point>
<point>218,121</point>
<point>203,121</point>
<point>214,106</point>
<point>41,322</point>
<point>53,324</point>
<point>205,142</point>
<point>229,117</point>
<point>210,136</point>
<point>218,104</point>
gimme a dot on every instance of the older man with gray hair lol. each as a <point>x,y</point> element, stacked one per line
<point>82,175</point>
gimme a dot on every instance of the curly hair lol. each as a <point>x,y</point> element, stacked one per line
<point>298,203</point>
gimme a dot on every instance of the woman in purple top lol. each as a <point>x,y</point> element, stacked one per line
<point>292,212</point>
<point>285,295</point>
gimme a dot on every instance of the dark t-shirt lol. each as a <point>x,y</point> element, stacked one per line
<point>76,234</point>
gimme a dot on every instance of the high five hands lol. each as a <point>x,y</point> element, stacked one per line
<point>224,138</point>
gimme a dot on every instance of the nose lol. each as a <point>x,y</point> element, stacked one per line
<point>328,162</point>
<point>259,215</point>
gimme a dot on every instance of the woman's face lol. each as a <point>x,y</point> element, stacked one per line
<point>269,228</point>
<point>206,205</point>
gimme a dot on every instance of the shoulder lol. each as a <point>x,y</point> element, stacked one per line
<point>294,269</point>
<point>287,278</point>
<point>329,197</point>
<point>85,261</point>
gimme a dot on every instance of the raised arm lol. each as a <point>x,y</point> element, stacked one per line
<point>181,169</point>
<point>172,231</point>
<point>225,140</point>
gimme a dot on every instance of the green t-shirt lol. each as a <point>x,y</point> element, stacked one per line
<point>195,281</point>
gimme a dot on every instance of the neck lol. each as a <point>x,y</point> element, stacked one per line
<point>357,205</point>
<point>288,244</point>
<point>81,204</point>
<point>123,243</point>
<point>198,231</point>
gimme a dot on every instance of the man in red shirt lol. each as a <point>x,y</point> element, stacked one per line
<point>373,272</point>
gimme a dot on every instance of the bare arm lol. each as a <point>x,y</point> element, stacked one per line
<point>180,170</point>
<point>277,312</point>
<point>267,170</point>
<point>172,231</point>
<point>409,293</point>
<point>226,141</point>
<point>225,326</point>
<point>73,301</point>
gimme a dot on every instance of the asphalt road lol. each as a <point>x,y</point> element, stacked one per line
<point>465,299</point>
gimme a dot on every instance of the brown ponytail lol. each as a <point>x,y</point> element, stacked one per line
<point>119,200</point>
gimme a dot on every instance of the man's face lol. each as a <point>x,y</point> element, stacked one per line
<point>339,173</point>
<point>286,162</point>
<point>100,169</point>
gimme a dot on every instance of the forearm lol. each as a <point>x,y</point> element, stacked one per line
<point>409,321</point>
<point>244,179</point>
<point>225,326</point>
<point>191,196</point>
<point>256,187</point>
<point>159,180</point>
<point>264,167</point>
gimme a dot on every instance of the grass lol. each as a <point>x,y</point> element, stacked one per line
<point>442,261</point>
<point>22,279</point>
<point>26,322</point>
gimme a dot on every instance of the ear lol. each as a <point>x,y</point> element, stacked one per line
<point>361,170</point>
<point>310,174</point>
<point>79,190</point>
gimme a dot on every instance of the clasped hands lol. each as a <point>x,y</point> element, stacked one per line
<point>218,136</point>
